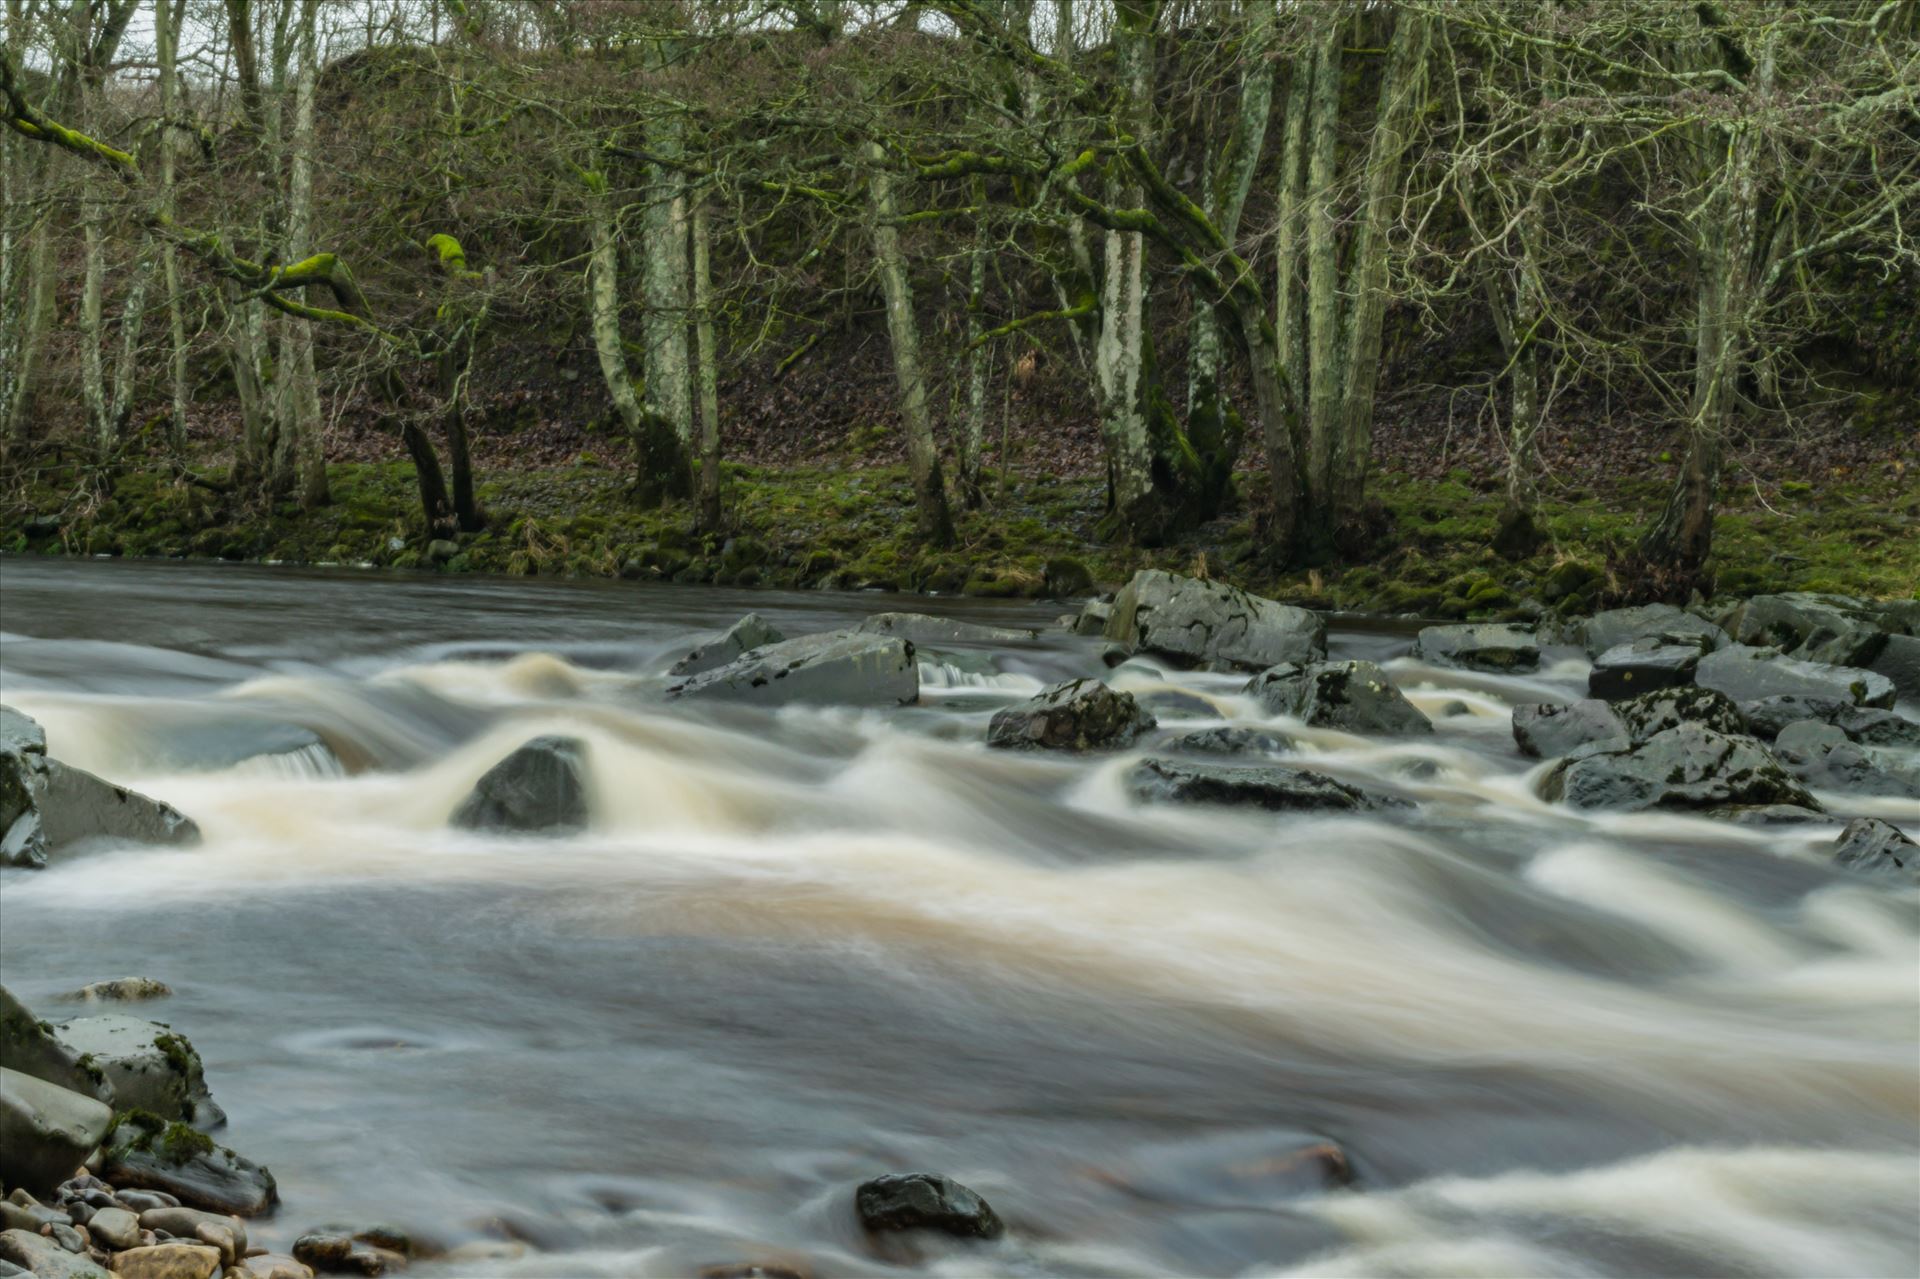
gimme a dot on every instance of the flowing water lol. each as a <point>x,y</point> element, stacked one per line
<point>798,949</point>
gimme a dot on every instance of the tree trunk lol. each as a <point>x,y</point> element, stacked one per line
<point>979,358</point>
<point>433,482</point>
<point>660,464</point>
<point>709,513</point>
<point>1289,304</point>
<point>302,416</point>
<point>903,331</point>
<point>664,273</point>
<point>167,17</point>
<point>1324,366</point>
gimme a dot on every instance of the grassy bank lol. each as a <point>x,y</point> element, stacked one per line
<point>854,529</point>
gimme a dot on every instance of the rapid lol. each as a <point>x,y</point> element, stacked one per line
<point>798,948</point>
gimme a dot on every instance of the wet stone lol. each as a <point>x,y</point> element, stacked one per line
<point>925,1201</point>
<point>1076,715</point>
<point>1641,666</point>
<point>1479,647</point>
<point>540,789</point>
<point>1271,787</point>
<point>1546,730</point>
<point>1874,847</point>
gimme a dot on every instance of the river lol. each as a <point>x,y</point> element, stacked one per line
<point>799,949</point>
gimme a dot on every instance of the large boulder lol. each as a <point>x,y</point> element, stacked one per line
<point>32,1047</point>
<point>540,789</point>
<point>1747,674</point>
<point>1822,756</point>
<point>1191,622</point>
<point>925,629</point>
<point>1640,666</point>
<point>1899,663</point>
<point>851,668</point>
<point>745,635</point>
<point>148,1066</point>
<point>1077,715</point>
<point>46,1131</point>
<point>42,1257</point>
<point>1690,766</point>
<point>145,1152</point>
<point>1876,847</point>
<point>1651,714</point>
<point>1272,787</point>
<point>1354,697</point>
<point>1836,629</point>
<point>1545,730</point>
<point>1479,647</point>
<point>48,808</point>
<point>1661,622</point>
<point>925,1201</point>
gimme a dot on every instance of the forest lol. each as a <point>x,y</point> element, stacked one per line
<point>1465,308</point>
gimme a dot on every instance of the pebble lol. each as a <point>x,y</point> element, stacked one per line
<point>146,1200</point>
<point>269,1265</point>
<point>167,1261</point>
<point>66,1236</point>
<point>115,1228</point>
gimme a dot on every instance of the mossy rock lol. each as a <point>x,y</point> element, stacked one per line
<point>1067,577</point>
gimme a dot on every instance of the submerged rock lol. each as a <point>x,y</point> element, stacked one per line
<point>1272,787</point>
<point>1748,674</point>
<point>1689,766</point>
<point>1479,647</point>
<point>347,1250</point>
<point>925,1201</point>
<point>46,1131</point>
<point>1076,715</point>
<point>924,628</point>
<point>1661,622</point>
<point>1640,666</point>
<point>147,1065</point>
<point>540,789</point>
<point>145,1152</point>
<point>1354,697</point>
<point>745,635</point>
<point>1544,730</point>
<point>1191,622</point>
<point>1876,847</point>
<point>851,668</point>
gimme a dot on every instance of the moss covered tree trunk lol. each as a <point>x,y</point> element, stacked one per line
<point>167,17</point>
<point>709,508</point>
<point>660,463</point>
<point>300,410</point>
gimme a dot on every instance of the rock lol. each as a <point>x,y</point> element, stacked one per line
<point>1651,714</point>
<point>1899,663</point>
<point>46,1131</point>
<point>1197,623</point>
<point>1272,787</point>
<point>146,1153</point>
<point>1640,666</point>
<point>1748,674</point>
<point>1093,618</point>
<point>925,1201</point>
<point>48,808</point>
<point>1546,730</point>
<point>270,1265</point>
<point>147,1065</point>
<point>1479,647</point>
<point>540,789</point>
<point>923,628</point>
<point>1822,756</point>
<point>188,1223</point>
<point>115,1229</point>
<point>442,549</point>
<point>45,1259</point>
<point>1067,578</point>
<point>1766,716</point>
<point>145,1200</point>
<point>1876,847</point>
<point>745,635</point>
<point>1690,766</point>
<point>1835,629</point>
<point>121,990</point>
<point>1230,741</point>
<point>168,1261</point>
<point>342,1250</point>
<point>1354,697</point>
<point>851,668</point>
<point>31,1047</point>
<point>1075,715</point>
<point>1661,622</point>
<point>1765,814</point>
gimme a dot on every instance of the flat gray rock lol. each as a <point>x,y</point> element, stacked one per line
<point>1663,622</point>
<point>1690,767</point>
<point>148,1065</point>
<point>925,629</point>
<point>1191,622</point>
<point>1835,629</point>
<point>49,809</point>
<point>745,635</point>
<point>1641,666</point>
<point>1748,674</point>
<point>1479,647</point>
<point>1268,786</point>
<point>843,668</point>
<point>1076,715</point>
<point>1546,730</point>
<point>1822,755</point>
<point>43,1258</point>
<point>1354,697</point>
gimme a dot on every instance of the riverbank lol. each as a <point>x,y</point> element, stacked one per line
<point>852,528</point>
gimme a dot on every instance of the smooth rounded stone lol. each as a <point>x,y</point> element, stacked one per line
<point>14,1216</point>
<point>1353,697</point>
<point>1479,647</point>
<point>1748,674</point>
<point>1074,715</point>
<point>925,1201</point>
<point>1899,663</point>
<point>846,668</point>
<point>1821,755</point>
<point>42,1257</point>
<point>1690,767</point>
<point>1272,787</point>
<point>49,809</point>
<point>115,1228</point>
<point>1092,618</point>
<point>121,990</point>
<point>1767,716</point>
<point>66,1236</point>
<point>168,1261</point>
<point>1641,666</point>
<point>340,1250</point>
<point>145,1153</point>
<point>540,789</point>
<point>147,1064</point>
<point>1878,848</point>
<point>1650,714</point>
<point>1191,622</point>
<point>924,628</point>
<point>745,635</point>
<point>143,1201</point>
<point>1230,741</point>
<point>187,1223</point>
<point>1662,622</point>
<point>31,1047</point>
<point>1544,730</point>
<point>270,1265</point>
<point>1835,629</point>
<point>46,1131</point>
